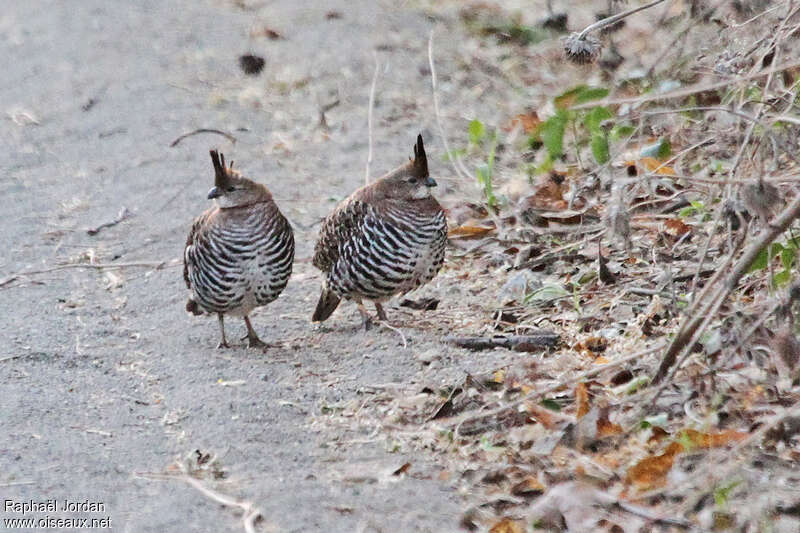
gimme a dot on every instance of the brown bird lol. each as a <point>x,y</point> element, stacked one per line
<point>239,253</point>
<point>386,238</point>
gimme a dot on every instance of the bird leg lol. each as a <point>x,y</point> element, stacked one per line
<point>381,312</point>
<point>223,343</point>
<point>252,339</point>
<point>366,321</point>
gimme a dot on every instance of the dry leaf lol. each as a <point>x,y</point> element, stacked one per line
<point>528,121</point>
<point>606,428</point>
<point>651,472</point>
<point>527,487</point>
<point>582,400</point>
<point>676,228</point>
<point>468,232</point>
<point>541,415</point>
<point>506,525</point>
<point>712,440</point>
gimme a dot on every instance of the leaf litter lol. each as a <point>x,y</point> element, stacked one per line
<point>609,217</point>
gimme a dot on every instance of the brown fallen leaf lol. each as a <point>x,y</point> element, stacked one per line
<point>506,525</point>
<point>402,470</point>
<point>651,472</point>
<point>606,428</point>
<point>528,121</point>
<point>581,400</point>
<point>676,228</point>
<point>711,440</point>
<point>468,231</point>
<point>530,486</point>
<point>544,416</point>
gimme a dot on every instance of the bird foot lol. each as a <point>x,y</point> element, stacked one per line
<point>222,345</point>
<point>254,342</point>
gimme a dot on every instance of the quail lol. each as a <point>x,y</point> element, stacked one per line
<point>239,253</point>
<point>385,239</point>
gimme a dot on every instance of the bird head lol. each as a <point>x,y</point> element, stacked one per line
<point>231,189</point>
<point>410,181</point>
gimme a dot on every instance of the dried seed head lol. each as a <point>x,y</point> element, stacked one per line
<point>582,50</point>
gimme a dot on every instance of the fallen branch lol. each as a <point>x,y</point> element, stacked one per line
<point>518,343</point>
<point>692,326</point>
<point>228,136</point>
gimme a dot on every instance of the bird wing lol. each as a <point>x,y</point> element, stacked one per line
<point>197,227</point>
<point>337,229</point>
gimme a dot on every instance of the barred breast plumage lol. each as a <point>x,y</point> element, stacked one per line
<point>239,254</point>
<point>387,238</point>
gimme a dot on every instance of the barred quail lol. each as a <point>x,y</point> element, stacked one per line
<point>239,253</point>
<point>386,238</point>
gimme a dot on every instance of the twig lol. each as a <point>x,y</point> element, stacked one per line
<point>396,330</point>
<point>369,116</point>
<point>250,513</point>
<point>693,324</point>
<point>689,91</point>
<point>10,357</point>
<point>323,122</point>
<point>122,215</point>
<point>469,417</point>
<point>518,343</point>
<point>152,264</point>
<point>453,158</point>
<point>614,18</point>
<point>228,136</point>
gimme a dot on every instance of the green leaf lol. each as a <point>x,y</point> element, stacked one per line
<point>591,93</point>
<point>760,262</point>
<point>661,149</point>
<point>547,293</point>
<point>551,404</point>
<point>600,148</point>
<point>476,131</point>
<point>620,131</point>
<point>552,133</point>
<point>782,278</point>
<point>787,257</point>
<point>722,494</point>
<point>595,117</point>
<point>569,97</point>
<point>664,149</point>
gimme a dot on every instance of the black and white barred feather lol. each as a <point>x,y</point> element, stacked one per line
<point>386,239</point>
<point>238,259</point>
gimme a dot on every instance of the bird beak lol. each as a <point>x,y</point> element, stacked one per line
<point>430,182</point>
<point>215,192</point>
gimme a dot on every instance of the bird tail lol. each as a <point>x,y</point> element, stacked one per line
<point>192,307</point>
<point>327,304</point>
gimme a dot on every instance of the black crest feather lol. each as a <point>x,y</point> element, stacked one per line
<point>420,159</point>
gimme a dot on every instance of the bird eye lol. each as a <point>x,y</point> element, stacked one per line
<point>230,189</point>
<point>412,180</point>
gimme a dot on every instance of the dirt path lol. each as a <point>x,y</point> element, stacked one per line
<point>109,377</point>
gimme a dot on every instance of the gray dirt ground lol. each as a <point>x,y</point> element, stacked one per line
<point>110,378</point>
